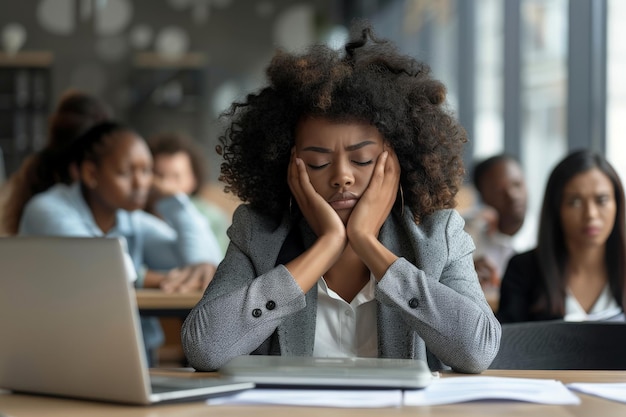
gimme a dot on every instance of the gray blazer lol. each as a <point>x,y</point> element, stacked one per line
<point>430,304</point>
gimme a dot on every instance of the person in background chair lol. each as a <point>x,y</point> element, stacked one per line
<point>578,269</point>
<point>348,164</point>
<point>75,112</point>
<point>178,162</point>
<point>114,168</point>
<point>500,225</point>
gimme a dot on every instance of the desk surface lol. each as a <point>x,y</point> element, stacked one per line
<point>31,406</point>
<point>155,299</point>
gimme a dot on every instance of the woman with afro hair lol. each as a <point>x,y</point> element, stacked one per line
<point>348,244</point>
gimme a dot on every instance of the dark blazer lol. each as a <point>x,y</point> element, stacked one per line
<point>521,288</point>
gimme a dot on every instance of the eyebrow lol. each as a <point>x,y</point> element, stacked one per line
<point>354,147</point>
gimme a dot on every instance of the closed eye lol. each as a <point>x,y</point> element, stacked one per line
<point>315,167</point>
<point>362,164</point>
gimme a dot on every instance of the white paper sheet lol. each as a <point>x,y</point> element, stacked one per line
<point>472,388</point>
<point>314,398</point>
<point>615,391</point>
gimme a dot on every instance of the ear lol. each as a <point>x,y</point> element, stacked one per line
<point>89,174</point>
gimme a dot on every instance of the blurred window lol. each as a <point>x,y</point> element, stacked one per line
<point>616,87</point>
<point>543,124</point>
<point>489,129</point>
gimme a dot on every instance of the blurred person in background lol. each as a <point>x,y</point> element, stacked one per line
<point>577,272</point>
<point>179,164</point>
<point>114,178</point>
<point>75,112</point>
<point>500,224</point>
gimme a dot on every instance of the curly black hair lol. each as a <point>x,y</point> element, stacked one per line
<point>369,82</point>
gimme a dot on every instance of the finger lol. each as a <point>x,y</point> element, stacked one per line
<point>295,179</point>
<point>192,281</point>
<point>173,279</point>
<point>303,175</point>
<point>392,171</point>
<point>304,193</point>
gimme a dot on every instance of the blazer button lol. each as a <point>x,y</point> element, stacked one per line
<point>413,303</point>
<point>257,312</point>
<point>271,305</point>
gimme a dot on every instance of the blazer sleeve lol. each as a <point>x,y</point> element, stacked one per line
<point>445,306</point>
<point>241,307</point>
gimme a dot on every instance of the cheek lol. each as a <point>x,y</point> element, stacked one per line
<point>569,220</point>
<point>609,216</point>
<point>121,186</point>
<point>317,179</point>
<point>364,174</point>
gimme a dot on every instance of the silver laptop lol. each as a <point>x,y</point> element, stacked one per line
<point>69,325</point>
<point>290,371</point>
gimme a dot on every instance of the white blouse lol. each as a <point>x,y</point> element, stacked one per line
<point>345,329</point>
<point>604,309</point>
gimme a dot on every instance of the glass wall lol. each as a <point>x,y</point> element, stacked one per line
<point>489,127</point>
<point>616,86</point>
<point>543,91</point>
<point>426,30</point>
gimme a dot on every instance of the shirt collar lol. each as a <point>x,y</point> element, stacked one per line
<point>365,295</point>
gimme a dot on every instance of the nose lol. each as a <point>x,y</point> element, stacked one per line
<point>514,192</point>
<point>591,210</point>
<point>142,179</point>
<point>342,175</point>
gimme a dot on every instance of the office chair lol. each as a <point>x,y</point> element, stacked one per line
<point>562,345</point>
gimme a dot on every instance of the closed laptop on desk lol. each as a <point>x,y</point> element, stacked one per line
<point>284,371</point>
<point>69,325</point>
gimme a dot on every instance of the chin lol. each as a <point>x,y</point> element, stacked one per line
<point>345,216</point>
<point>134,206</point>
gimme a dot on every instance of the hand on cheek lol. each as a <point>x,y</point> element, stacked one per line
<point>319,214</point>
<point>376,202</point>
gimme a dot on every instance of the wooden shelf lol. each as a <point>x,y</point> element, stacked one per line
<point>189,60</point>
<point>27,59</point>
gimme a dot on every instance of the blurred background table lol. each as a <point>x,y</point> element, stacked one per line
<point>171,309</point>
<point>154,302</point>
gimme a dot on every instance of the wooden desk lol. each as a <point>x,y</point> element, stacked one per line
<point>154,302</point>
<point>34,406</point>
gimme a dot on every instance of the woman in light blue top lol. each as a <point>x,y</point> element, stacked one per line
<point>115,180</point>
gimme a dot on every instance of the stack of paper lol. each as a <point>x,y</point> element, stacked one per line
<point>611,391</point>
<point>315,398</point>
<point>472,388</point>
<point>440,391</point>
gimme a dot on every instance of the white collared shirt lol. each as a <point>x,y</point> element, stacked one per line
<point>346,329</point>
<point>604,309</point>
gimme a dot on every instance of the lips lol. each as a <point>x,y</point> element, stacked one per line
<point>139,199</point>
<point>592,231</point>
<point>343,201</point>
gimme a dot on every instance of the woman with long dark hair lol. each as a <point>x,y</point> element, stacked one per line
<point>578,269</point>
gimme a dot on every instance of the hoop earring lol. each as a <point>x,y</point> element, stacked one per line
<point>401,201</point>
